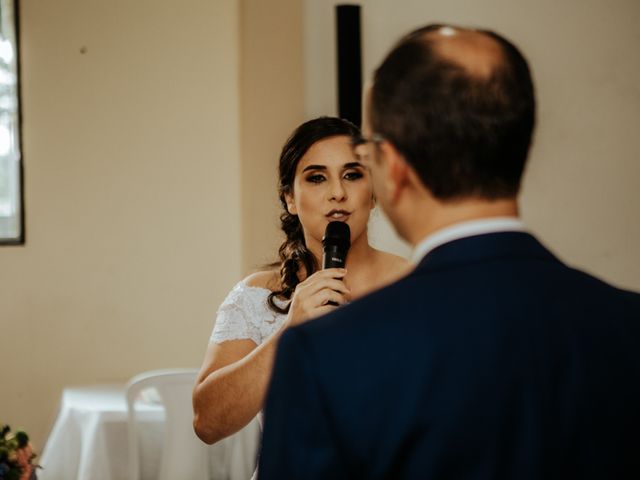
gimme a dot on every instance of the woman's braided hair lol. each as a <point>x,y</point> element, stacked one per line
<point>295,257</point>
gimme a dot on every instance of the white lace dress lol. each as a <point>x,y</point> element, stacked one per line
<point>245,315</point>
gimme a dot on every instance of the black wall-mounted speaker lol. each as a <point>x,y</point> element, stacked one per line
<point>349,63</point>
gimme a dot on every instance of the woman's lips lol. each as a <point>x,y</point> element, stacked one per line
<point>338,215</point>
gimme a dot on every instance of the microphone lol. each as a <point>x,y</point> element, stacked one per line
<point>335,243</point>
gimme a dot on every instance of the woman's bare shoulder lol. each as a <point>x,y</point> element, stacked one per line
<point>269,279</point>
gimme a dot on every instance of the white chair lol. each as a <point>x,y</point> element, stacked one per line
<point>184,456</point>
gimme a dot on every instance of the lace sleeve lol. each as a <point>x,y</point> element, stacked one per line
<point>244,314</point>
<point>233,320</point>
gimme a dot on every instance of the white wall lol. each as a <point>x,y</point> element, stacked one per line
<point>272,105</point>
<point>133,215</point>
<point>580,190</point>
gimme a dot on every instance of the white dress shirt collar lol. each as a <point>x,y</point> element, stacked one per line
<point>465,229</point>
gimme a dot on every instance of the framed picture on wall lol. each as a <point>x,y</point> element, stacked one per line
<point>11,178</point>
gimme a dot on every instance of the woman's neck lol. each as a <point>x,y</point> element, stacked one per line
<point>360,254</point>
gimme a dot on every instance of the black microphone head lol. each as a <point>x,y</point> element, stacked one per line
<point>337,234</point>
<point>335,243</point>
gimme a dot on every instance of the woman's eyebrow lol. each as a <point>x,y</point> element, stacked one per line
<point>353,165</point>
<point>346,166</point>
<point>314,167</point>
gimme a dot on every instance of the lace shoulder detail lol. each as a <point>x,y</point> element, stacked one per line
<point>245,314</point>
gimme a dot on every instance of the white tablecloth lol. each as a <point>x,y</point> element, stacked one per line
<point>89,440</point>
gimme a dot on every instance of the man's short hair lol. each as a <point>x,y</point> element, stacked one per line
<point>466,135</point>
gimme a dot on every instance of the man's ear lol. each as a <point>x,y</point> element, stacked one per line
<point>397,171</point>
<point>291,205</point>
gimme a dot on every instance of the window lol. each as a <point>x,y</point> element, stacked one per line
<point>11,209</point>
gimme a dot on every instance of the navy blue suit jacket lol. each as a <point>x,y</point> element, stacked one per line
<point>492,360</point>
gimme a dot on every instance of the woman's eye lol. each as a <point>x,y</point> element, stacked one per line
<point>315,178</point>
<point>353,175</point>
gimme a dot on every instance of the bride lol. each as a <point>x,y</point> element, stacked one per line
<point>320,180</point>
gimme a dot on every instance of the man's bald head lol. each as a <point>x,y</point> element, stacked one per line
<point>459,104</point>
<point>477,53</point>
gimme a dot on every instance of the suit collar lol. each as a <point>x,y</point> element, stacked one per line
<point>464,229</point>
<point>486,247</point>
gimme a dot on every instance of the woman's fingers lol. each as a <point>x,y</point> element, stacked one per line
<point>325,296</point>
<point>327,273</point>
<point>324,310</point>
<point>319,294</point>
<point>330,284</point>
<point>321,297</point>
<point>331,280</point>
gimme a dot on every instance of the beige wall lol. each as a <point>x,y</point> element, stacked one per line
<point>150,184</point>
<point>580,191</point>
<point>132,195</point>
<point>272,106</point>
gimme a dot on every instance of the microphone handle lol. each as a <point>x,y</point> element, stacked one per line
<point>333,257</point>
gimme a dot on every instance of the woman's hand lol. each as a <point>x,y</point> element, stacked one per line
<point>311,297</point>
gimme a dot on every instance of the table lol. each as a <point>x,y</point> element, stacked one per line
<point>89,440</point>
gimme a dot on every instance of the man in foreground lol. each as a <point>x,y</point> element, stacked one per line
<point>492,359</point>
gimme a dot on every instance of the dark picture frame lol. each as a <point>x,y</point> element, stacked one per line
<point>12,227</point>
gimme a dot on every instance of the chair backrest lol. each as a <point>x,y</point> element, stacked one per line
<point>184,456</point>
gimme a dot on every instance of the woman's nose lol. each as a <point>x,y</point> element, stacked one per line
<point>337,191</point>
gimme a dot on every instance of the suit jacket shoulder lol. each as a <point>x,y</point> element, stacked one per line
<point>487,333</point>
